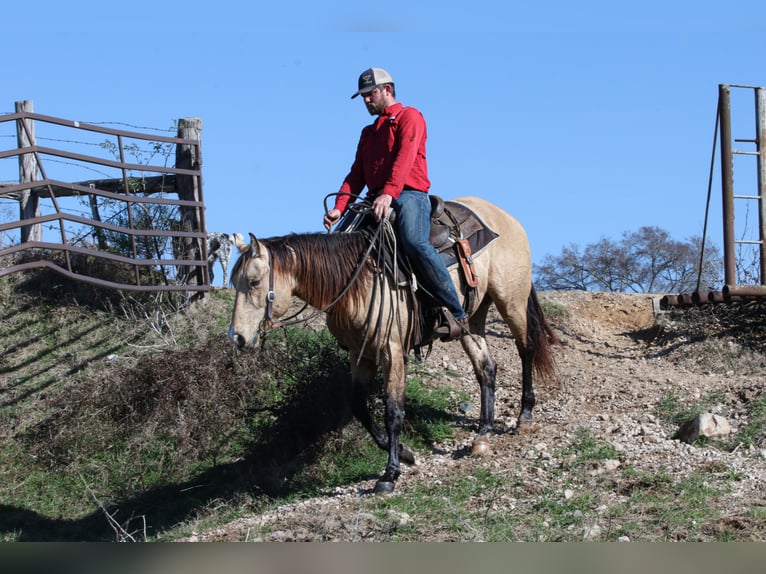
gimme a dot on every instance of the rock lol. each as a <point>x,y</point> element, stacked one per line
<point>466,407</point>
<point>591,532</point>
<point>706,424</point>
<point>400,518</point>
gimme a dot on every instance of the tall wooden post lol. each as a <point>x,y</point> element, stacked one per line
<point>188,157</point>
<point>96,215</point>
<point>29,203</point>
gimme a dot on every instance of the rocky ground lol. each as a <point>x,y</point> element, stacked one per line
<point>617,362</point>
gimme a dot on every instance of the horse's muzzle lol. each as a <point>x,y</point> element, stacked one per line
<point>236,338</point>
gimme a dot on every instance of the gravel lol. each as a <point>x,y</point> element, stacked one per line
<point>616,365</point>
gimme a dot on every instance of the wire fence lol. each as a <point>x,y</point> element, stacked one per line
<point>111,207</point>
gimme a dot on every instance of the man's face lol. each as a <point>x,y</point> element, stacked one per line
<point>376,101</point>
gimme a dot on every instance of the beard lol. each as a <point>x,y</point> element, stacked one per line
<point>375,109</point>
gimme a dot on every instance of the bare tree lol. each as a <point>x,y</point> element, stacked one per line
<point>643,261</point>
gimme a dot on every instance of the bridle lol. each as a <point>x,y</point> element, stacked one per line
<point>268,313</point>
<point>267,324</point>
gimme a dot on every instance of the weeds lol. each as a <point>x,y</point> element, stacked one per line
<point>201,421</point>
<point>585,449</point>
<point>672,411</point>
<point>137,420</point>
<point>753,432</point>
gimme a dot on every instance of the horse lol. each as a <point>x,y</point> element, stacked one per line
<point>218,248</point>
<point>371,315</point>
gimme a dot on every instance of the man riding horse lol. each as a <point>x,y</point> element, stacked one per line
<point>367,311</point>
<point>391,162</point>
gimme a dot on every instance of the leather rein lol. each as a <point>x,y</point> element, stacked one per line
<point>267,324</point>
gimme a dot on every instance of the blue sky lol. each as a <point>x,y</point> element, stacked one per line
<point>584,120</point>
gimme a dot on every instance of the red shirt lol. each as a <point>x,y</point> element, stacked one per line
<point>390,156</point>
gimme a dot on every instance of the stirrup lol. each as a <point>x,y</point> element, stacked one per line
<point>452,329</point>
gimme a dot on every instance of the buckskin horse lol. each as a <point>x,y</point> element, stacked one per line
<point>372,315</point>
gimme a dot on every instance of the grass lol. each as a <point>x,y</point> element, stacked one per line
<point>453,510</point>
<point>498,506</point>
<point>673,411</point>
<point>553,311</point>
<point>140,407</point>
<point>585,449</point>
<point>430,409</point>
<point>753,432</point>
<point>672,509</point>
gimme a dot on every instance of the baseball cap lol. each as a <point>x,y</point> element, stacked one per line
<point>370,78</point>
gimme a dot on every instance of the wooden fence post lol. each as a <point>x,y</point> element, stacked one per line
<point>29,203</point>
<point>187,157</point>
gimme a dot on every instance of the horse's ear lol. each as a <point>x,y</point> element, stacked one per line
<point>255,246</point>
<point>239,242</point>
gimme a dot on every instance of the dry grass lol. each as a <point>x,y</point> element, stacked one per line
<point>135,408</point>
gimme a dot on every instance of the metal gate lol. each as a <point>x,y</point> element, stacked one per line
<point>139,226</point>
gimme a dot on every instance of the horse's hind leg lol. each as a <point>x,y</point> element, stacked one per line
<point>526,352</point>
<point>485,369</point>
<point>515,316</point>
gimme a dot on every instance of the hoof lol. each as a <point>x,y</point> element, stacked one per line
<point>406,455</point>
<point>525,424</point>
<point>383,487</point>
<point>480,446</point>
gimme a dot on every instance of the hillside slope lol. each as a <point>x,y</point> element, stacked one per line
<point>601,463</point>
<point>127,380</point>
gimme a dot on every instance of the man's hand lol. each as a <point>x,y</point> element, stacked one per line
<point>381,205</point>
<point>331,218</point>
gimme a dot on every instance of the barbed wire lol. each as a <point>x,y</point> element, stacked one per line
<point>150,149</point>
<point>125,124</point>
<point>135,127</point>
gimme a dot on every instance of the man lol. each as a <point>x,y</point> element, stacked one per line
<point>391,162</point>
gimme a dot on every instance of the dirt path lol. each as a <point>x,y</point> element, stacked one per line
<point>612,378</point>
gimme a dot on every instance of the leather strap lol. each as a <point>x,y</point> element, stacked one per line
<point>466,262</point>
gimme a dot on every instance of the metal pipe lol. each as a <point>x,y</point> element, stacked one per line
<point>715,297</point>
<point>701,297</point>
<point>727,185</point>
<point>747,291</point>
<point>760,144</point>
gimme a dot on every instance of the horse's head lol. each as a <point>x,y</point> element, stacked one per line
<point>256,301</point>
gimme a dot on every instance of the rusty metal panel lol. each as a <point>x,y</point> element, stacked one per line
<point>133,193</point>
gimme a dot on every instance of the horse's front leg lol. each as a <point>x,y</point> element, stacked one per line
<point>362,376</point>
<point>395,376</point>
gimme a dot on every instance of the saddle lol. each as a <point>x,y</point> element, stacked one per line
<point>456,232</point>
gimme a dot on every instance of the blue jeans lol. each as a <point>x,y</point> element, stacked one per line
<point>413,223</point>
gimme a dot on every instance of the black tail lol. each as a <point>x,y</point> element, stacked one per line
<point>540,338</point>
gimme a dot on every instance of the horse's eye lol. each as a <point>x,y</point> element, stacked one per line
<point>255,282</point>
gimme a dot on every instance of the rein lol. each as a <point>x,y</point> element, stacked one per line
<point>384,231</point>
<point>385,238</point>
<point>267,325</point>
